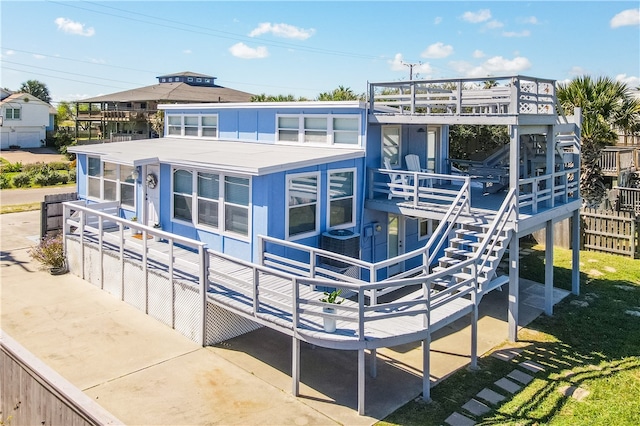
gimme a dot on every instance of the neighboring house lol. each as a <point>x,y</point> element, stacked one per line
<point>130,111</point>
<point>25,120</point>
<point>262,206</point>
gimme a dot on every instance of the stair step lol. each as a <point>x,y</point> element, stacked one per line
<point>465,276</point>
<point>484,256</point>
<point>460,241</point>
<point>449,260</point>
<point>461,232</point>
<point>454,251</point>
<point>500,237</point>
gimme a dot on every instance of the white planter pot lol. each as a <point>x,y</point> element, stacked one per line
<point>329,323</point>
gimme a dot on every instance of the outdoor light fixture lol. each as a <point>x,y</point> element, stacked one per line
<point>135,174</point>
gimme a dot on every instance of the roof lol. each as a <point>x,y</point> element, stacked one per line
<point>175,92</point>
<point>185,74</point>
<point>250,158</point>
<point>22,97</point>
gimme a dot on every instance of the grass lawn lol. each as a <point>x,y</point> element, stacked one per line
<point>17,208</point>
<point>592,342</point>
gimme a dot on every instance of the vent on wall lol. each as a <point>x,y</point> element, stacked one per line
<point>341,241</point>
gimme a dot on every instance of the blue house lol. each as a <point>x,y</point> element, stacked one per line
<point>247,212</point>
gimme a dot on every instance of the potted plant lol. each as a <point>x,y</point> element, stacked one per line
<point>134,231</point>
<point>330,298</point>
<point>50,253</point>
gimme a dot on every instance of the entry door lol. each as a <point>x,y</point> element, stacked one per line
<point>153,197</point>
<point>395,241</point>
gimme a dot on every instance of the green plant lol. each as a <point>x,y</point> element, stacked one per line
<point>21,180</point>
<point>4,181</point>
<point>49,252</point>
<point>332,297</point>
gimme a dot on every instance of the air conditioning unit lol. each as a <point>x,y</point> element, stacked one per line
<point>341,241</point>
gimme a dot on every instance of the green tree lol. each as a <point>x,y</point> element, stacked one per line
<point>607,108</point>
<point>37,89</point>
<point>263,97</point>
<point>340,94</point>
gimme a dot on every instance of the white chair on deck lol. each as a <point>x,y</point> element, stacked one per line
<point>413,165</point>
<point>396,179</point>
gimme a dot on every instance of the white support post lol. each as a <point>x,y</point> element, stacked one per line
<point>145,270</point>
<point>514,284</point>
<point>548,269</point>
<point>82,253</point>
<point>474,332</point>
<point>121,252</point>
<point>361,382</point>
<point>374,363</point>
<point>295,366</point>
<point>100,250</point>
<point>426,368</point>
<point>575,258</point>
<point>204,287</point>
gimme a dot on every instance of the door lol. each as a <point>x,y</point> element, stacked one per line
<point>391,140</point>
<point>395,241</point>
<point>153,195</point>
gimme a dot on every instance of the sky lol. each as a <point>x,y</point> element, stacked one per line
<point>82,49</point>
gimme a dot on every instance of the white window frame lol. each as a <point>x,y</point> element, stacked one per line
<point>222,203</point>
<point>12,116</point>
<point>353,197</point>
<point>330,136</point>
<point>288,206</point>
<point>431,225</point>
<point>201,127</point>
<point>117,180</point>
<point>397,162</point>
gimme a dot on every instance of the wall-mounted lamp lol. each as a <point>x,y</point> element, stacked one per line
<point>377,227</point>
<point>135,174</point>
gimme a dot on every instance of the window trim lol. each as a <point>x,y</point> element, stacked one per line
<point>354,197</point>
<point>117,180</point>
<point>316,230</point>
<point>432,224</point>
<point>220,229</point>
<point>330,137</point>
<point>200,127</point>
<point>13,113</point>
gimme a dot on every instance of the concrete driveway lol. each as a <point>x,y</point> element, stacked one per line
<point>145,373</point>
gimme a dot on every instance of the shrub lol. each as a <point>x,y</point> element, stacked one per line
<point>35,168</point>
<point>12,167</point>
<point>21,180</point>
<point>58,165</point>
<point>4,181</point>
<point>49,252</point>
<point>72,175</point>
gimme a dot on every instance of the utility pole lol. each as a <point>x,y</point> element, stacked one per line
<point>411,68</point>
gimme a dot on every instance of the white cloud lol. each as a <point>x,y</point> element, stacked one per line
<point>576,70</point>
<point>241,50</point>
<point>631,80</point>
<point>523,33</point>
<point>496,65</point>
<point>478,53</point>
<point>437,20</point>
<point>397,62</point>
<point>71,27</point>
<point>437,50</point>
<point>529,20</point>
<point>282,30</point>
<point>477,17</point>
<point>492,25</point>
<point>629,17</point>
<point>187,51</point>
<point>10,52</point>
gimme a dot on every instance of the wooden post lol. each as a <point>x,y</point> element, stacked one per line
<point>548,269</point>
<point>514,284</point>
<point>575,258</point>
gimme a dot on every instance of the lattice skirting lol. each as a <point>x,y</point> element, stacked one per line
<point>176,304</point>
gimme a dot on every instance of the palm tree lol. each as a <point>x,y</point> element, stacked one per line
<point>340,94</point>
<point>607,107</point>
<point>37,89</point>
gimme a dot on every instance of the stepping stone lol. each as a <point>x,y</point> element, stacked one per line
<point>532,366</point>
<point>506,354</point>
<point>490,396</point>
<point>457,419</point>
<point>508,385</point>
<point>521,377</point>
<point>579,303</point>
<point>476,408</point>
<point>576,393</point>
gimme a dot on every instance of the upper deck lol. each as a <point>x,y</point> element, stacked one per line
<point>495,100</point>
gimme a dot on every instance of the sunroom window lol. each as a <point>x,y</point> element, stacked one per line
<point>111,182</point>
<point>341,129</point>
<point>175,125</point>
<point>182,195</point>
<point>236,205</point>
<point>345,130</point>
<point>191,125</point>
<point>302,204</point>
<point>208,194</point>
<point>288,129</point>
<point>315,129</point>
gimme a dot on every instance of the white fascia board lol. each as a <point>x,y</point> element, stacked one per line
<point>282,105</point>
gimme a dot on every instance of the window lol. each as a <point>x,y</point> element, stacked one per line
<point>391,140</point>
<point>189,78</point>
<point>341,198</point>
<point>302,204</point>
<point>207,80</point>
<point>182,195</point>
<point>236,205</point>
<point>175,125</point>
<point>426,228</point>
<point>12,113</point>
<point>319,129</point>
<point>111,182</point>
<point>208,194</point>
<point>193,125</point>
<point>212,200</point>
<point>198,80</point>
<point>163,80</point>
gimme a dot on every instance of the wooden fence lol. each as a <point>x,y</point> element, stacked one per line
<point>611,232</point>
<point>51,212</point>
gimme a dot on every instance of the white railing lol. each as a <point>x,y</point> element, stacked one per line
<point>544,190</point>
<point>99,223</point>
<point>510,95</point>
<point>616,160</point>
